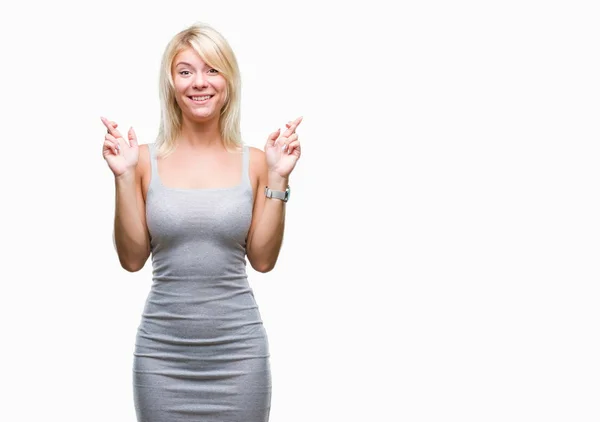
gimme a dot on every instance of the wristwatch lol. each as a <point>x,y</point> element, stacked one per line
<point>283,195</point>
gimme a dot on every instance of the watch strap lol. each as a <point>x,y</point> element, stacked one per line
<point>278,194</point>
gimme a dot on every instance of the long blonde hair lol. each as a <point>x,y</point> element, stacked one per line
<point>216,52</point>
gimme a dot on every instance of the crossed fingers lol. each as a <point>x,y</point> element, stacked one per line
<point>112,134</point>
<point>291,127</point>
<point>289,139</point>
<point>111,127</point>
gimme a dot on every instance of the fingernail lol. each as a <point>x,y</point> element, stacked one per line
<point>284,148</point>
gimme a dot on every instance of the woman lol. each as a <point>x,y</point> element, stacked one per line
<point>200,200</point>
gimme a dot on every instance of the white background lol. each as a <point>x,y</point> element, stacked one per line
<point>440,260</point>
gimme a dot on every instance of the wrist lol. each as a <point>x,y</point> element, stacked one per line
<point>276,182</point>
<point>125,177</point>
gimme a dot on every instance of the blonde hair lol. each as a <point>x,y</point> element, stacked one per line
<point>216,52</point>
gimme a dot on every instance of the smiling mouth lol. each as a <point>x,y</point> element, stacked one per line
<point>201,99</point>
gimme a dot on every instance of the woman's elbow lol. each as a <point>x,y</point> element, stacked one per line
<point>261,266</point>
<point>132,268</point>
<point>134,265</point>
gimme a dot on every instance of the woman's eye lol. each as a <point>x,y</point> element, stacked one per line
<point>186,72</point>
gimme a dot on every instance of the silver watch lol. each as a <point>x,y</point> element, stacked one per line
<point>283,195</point>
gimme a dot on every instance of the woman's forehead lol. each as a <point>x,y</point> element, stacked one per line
<point>189,57</point>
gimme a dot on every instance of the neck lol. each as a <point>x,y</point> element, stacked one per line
<point>200,135</point>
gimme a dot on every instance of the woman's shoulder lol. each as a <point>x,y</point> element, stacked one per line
<point>144,156</point>
<point>258,165</point>
<point>256,154</point>
<point>257,158</point>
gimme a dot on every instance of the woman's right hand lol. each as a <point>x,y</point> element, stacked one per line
<point>122,157</point>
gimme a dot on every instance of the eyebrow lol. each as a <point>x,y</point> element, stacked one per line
<point>190,65</point>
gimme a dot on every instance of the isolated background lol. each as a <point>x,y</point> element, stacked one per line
<point>440,260</point>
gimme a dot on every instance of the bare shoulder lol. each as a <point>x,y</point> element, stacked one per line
<point>257,156</point>
<point>144,158</point>
<point>258,162</point>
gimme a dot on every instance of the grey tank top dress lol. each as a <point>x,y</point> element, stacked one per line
<point>201,351</point>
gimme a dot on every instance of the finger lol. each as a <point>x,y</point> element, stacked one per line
<point>286,141</point>
<point>294,146</point>
<point>292,127</point>
<point>132,137</point>
<point>113,124</point>
<point>111,138</point>
<point>114,140</point>
<point>111,146</point>
<point>272,138</point>
<point>110,127</point>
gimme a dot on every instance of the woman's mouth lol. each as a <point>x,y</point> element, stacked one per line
<point>202,99</point>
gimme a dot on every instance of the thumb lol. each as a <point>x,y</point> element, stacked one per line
<point>132,137</point>
<point>272,138</point>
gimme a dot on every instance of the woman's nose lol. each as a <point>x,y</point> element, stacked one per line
<point>200,81</point>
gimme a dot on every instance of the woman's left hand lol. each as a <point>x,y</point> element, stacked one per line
<point>283,153</point>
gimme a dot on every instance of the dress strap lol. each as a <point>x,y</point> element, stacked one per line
<point>246,166</point>
<point>154,175</point>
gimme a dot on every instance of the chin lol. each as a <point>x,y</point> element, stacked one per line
<point>201,117</point>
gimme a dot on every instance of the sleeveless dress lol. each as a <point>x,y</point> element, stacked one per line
<point>201,350</point>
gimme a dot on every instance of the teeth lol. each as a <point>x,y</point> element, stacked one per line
<point>206,97</point>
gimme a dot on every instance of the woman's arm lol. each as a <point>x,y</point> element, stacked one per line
<point>268,217</point>
<point>132,241</point>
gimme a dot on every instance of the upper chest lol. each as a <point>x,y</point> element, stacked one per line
<point>193,171</point>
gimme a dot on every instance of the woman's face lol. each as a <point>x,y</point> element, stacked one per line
<point>194,80</point>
